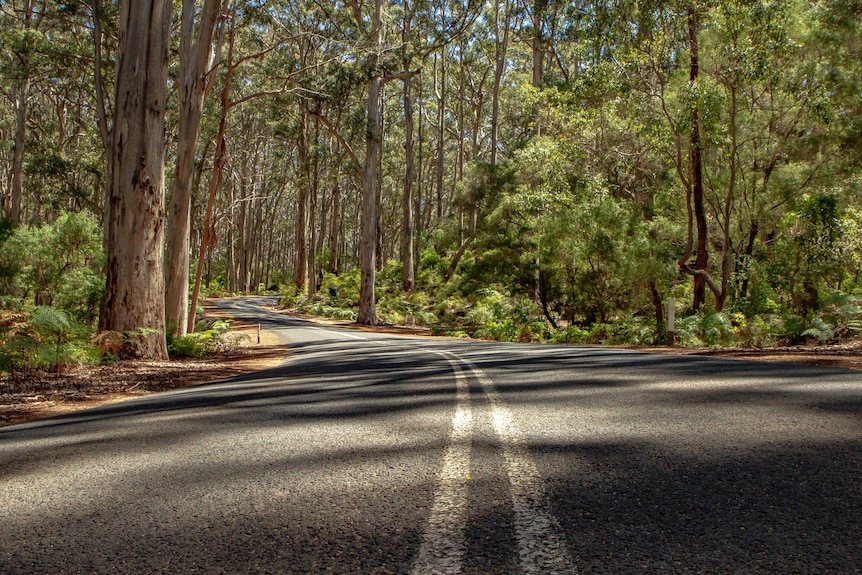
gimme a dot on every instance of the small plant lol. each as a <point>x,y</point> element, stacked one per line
<point>202,343</point>
<point>54,322</point>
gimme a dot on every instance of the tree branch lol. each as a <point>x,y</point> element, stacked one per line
<point>334,131</point>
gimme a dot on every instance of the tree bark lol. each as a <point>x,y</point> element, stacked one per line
<point>701,263</point>
<point>501,48</point>
<point>134,290</point>
<point>21,92</point>
<point>219,161</point>
<point>196,59</point>
<point>407,270</point>
<point>333,229</point>
<point>441,132</point>
<point>302,208</point>
<point>368,235</point>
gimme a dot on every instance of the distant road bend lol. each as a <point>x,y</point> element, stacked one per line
<point>375,454</point>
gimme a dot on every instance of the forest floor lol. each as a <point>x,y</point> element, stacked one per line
<point>33,395</point>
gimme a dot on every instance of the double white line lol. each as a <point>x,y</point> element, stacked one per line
<point>540,544</point>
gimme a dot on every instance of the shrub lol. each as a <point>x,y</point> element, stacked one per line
<point>216,339</point>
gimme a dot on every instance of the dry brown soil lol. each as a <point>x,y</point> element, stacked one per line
<point>36,394</point>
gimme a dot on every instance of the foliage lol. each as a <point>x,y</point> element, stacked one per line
<point>46,337</point>
<point>215,338</point>
<point>57,264</point>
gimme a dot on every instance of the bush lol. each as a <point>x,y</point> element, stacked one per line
<point>216,339</point>
<point>57,264</point>
<point>45,338</point>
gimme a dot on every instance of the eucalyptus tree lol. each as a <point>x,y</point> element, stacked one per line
<point>197,55</point>
<point>28,19</point>
<point>134,293</point>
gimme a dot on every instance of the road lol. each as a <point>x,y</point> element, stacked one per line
<point>373,454</point>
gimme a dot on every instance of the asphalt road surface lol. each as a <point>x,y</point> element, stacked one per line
<point>372,454</point>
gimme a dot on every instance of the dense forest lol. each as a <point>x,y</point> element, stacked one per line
<point>522,170</point>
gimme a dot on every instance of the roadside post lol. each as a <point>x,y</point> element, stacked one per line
<point>671,318</point>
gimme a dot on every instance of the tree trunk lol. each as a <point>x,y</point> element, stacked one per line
<point>333,229</point>
<point>219,160</point>
<point>134,289</point>
<point>312,240</point>
<point>407,271</point>
<point>538,46</point>
<point>501,47</point>
<point>441,132</point>
<point>302,207</point>
<point>701,263</point>
<point>196,58</point>
<point>21,92</point>
<point>368,257</point>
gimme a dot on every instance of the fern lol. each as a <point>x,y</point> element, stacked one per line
<point>54,321</point>
<point>821,330</point>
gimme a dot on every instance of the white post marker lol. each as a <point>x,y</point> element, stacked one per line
<point>671,318</point>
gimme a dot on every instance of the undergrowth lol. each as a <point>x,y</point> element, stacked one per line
<point>493,313</point>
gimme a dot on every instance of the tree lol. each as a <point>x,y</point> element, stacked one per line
<point>134,289</point>
<point>374,130</point>
<point>197,55</point>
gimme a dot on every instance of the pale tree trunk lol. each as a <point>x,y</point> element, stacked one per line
<point>407,269</point>
<point>134,290</point>
<point>407,273</point>
<point>333,229</point>
<point>302,207</point>
<point>441,131</point>
<point>219,161</point>
<point>501,46</point>
<point>101,107</point>
<point>368,233</point>
<point>538,46</point>
<point>196,59</point>
<point>312,240</point>
<point>21,92</point>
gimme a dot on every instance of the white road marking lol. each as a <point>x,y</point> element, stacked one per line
<point>540,543</point>
<point>443,544</point>
<point>541,546</point>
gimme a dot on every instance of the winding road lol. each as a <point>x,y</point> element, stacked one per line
<point>375,454</point>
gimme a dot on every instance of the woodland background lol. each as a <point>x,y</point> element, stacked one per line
<point>520,170</point>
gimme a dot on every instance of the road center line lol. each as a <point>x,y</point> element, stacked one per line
<point>540,543</point>
<point>443,544</point>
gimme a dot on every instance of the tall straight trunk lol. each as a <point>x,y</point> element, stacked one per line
<point>380,247</point>
<point>333,229</point>
<point>312,217</point>
<point>21,93</point>
<point>196,59</point>
<point>219,161</point>
<point>407,271</point>
<point>134,286</point>
<point>302,207</point>
<point>462,88</point>
<point>441,132</point>
<point>538,47</point>
<point>420,224</point>
<point>701,263</point>
<point>501,46</point>
<point>230,256</point>
<point>368,240</point>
